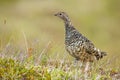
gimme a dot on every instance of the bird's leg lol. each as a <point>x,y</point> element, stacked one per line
<point>87,67</point>
<point>75,62</point>
<point>86,70</point>
<point>81,64</point>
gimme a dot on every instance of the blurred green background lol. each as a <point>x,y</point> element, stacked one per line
<point>30,25</point>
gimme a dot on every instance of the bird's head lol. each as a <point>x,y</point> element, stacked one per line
<point>63,16</point>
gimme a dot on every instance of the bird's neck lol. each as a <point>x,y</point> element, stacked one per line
<point>68,23</point>
<point>68,27</point>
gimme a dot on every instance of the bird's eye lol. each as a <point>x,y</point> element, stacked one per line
<point>60,14</point>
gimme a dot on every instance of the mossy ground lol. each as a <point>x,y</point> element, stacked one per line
<point>13,69</point>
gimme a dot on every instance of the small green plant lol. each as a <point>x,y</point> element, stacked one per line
<point>13,69</point>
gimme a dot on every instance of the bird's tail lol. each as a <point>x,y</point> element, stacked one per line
<point>100,54</point>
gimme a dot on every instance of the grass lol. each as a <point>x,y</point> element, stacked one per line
<point>32,39</point>
<point>33,65</point>
<point>13,69</point>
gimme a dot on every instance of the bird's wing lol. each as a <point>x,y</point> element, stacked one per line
<point>82,41</point>
<point>87,44</point>
<point>89,47</point>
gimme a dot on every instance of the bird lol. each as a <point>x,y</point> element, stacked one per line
<point>77,45</point>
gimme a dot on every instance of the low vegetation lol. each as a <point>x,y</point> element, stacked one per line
<point>13,69</point>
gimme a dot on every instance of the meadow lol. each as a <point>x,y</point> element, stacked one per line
<point>32,38</point>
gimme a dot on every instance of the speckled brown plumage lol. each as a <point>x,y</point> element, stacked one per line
<point>78,45</point>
